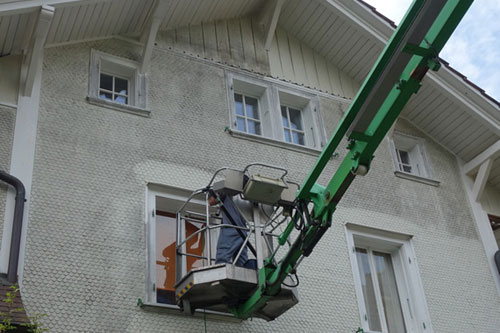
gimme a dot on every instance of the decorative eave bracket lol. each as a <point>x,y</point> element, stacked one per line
<point>149,34</point>
<point>492,152</point>
<point>268,19</point>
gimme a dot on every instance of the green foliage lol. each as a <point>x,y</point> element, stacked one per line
<point>33,325</point>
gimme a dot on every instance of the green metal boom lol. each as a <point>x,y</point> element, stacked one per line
<point>396,76</point>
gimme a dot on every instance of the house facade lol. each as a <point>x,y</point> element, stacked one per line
<point>112,112</point>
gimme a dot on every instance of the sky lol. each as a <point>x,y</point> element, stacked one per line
<point>474,47</point>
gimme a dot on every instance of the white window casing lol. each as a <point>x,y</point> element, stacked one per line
<point>120,68</point>
<point>409,286</point>
<point>410,158</point>
<point>271,96</point>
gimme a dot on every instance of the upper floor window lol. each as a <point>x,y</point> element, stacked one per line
<point>116,83</point>
<point>410,159</point>
<point>266,109</point>
<point>247,114</point>
<point>292,125</point>
<point>114,88</point>
<point>387,282</point>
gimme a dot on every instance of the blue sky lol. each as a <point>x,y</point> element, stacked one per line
<point>474,48</point>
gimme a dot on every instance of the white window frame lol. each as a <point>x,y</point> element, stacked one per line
<point>245,117</point>
<point>271,96</point>
<point>308,104</point>
<point>420,166</point>
<point>177,197</point>
<point>289,128</point>
<point>112,92</point>
<point>410,288</point>
<point>122,68</point>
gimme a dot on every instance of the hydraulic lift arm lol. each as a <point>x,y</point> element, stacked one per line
<point>396,76</point>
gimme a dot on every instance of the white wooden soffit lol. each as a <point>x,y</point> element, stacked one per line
<point>268,19</point>
<point>490,153</point>
<point>35,54</point>
<point>149,33</point>
<point>451,84</point>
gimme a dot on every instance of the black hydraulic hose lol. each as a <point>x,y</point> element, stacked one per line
<point>17,224</point>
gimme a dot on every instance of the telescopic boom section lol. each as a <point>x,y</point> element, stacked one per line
<point>411,52</point>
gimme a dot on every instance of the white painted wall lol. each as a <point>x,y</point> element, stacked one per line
<point>294,61</point>
<point>491,200</point>
<point>10,69</point>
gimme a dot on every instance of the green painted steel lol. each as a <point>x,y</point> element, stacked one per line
<point>413,61</point>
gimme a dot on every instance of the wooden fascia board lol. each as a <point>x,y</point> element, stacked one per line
<point>490,153</point>
<point>21,7</point>
<point>474,103</point>
<point>35,55</point>
<point>369,23</point>
<point>159,13</point>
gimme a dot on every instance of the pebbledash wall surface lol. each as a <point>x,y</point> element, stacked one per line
<point>86,261</point>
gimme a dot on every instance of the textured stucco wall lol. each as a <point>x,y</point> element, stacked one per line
<point>7,123</point>
<point>85,264</point>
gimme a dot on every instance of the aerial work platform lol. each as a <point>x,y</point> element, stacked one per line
<point>252,206</point>
<point>299,218</point>
<point>219,286</point>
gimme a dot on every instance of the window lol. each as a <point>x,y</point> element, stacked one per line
<point>388,287</point>
<point>292,125</point>
<point>277,114</point>
<point>410,160</point>
<point>163,204</point>
<point>113,88</point>
<point>116,83</point>
<point>165,244</point>
<point>247,114</point>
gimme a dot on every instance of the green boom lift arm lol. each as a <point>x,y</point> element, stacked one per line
<point>396,76</point>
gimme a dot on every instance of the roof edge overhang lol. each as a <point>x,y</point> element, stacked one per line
<point>481,106</point>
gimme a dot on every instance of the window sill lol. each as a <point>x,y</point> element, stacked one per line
<point>119,107</point>
<point>175,310</point>
<point>274,142</point>
<point>416,178</point>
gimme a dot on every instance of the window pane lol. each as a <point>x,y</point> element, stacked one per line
<point>251,107</point>
<point>404,156</point>
<point>288,137</point>
<point>121,99</point>
<point>238,104</point>
<point>165,259</point>
<point>240,124</point>
<point>368,291</point>
<point>106,82</point>
<point>253,127</point>
<point>105,95</point>
<point>389,291</point>
<point>298,138</point>
<point>295,119</point>
<point>121,86</point>
<point>284,117</point>
<point>194,246</point>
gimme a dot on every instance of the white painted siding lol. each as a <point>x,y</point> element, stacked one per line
<point>236,42</point>
<point>292,60</point>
